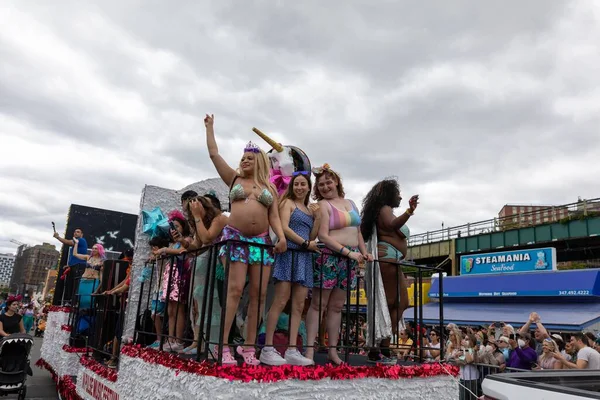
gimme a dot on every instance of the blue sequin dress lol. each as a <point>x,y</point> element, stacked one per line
<point>301,223</point>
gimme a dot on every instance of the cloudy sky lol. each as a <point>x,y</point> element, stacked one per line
<point>471,104</point>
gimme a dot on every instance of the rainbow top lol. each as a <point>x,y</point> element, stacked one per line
<point>339,219</point>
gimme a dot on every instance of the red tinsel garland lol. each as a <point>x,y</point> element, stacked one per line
<point>273,374</point>
<point>99,369</point>
<point>67,389</point>
<point>70,349</point>
<point>65,385</point>
<point>58,309</point>
<point>41,363</point>
<point>67,328</point>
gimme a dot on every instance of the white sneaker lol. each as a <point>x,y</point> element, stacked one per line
<point>173,347</point>
<point>270,356</point>
<point>293,357</point>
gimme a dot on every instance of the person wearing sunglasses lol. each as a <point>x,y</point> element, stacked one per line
<point>293,270</point>
<point>254,208</point>
<point>335,269</point>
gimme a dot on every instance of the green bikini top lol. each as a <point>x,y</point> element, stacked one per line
<point>237,193</point>
<point>405,231</point>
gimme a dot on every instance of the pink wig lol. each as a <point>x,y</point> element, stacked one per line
<point>176,214</point>
<point>101,251</point>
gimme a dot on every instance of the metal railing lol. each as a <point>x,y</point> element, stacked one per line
<point>214,296</point>
<point>580,209</point>
<point>96,319</point>
<point>471,388</point>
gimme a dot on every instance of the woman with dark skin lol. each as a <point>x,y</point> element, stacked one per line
<point>392,234</point>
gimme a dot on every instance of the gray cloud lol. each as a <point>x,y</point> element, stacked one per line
<point>470,105</point>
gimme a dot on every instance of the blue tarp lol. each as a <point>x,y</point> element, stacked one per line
<point>557,317</point>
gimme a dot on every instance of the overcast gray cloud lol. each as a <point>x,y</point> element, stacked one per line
<point>472,105</point>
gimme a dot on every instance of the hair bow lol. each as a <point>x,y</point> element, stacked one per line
<point>321,169</point>
<point>280,181</point>
<point>176,214</point>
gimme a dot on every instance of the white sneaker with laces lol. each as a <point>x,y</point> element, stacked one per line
<point>293,357</point>
<point>270,356</point>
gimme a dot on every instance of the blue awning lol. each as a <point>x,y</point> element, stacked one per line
<point>557,317</point>
<point>573,284</point>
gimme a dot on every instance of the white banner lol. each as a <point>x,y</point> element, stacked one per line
<point>91,386</point>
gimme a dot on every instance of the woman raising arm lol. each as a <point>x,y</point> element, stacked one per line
<point>254,208</point>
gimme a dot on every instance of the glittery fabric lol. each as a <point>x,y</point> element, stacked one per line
<point>244,253</point>
<point>154,375</point>
<point>179,269</point>
<point>165,199</point>
<point>55,337</point>
<point>382,324</point>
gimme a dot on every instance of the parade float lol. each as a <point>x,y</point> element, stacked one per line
<point>145,373</point>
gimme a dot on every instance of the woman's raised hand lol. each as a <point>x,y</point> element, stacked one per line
<point>209,120</point>
<point>197,209</point>
<point>413,202</point>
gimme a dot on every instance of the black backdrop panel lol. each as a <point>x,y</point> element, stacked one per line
<point>113,229</point>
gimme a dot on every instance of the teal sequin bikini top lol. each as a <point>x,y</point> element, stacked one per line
<point>237,193</point>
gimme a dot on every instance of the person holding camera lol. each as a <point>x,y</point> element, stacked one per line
<point>176,278</point>
<point>73,263</point>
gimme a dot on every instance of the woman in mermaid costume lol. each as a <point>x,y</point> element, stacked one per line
<point>254,208</point>
<point>387,236</point>
<point>91,278</point>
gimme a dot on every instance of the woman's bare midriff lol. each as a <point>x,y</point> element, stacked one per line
<point>90,274</point>
<point>345,236</point>
<point>251,218</point>
<point>394,239</point>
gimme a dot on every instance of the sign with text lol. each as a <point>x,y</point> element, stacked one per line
<point>507,262</point>
<point>574,283</point>
<point>98,389</point>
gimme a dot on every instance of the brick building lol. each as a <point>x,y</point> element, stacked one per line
<point>31,267</point>
<point>50,284</point>
<point>528,215</point>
